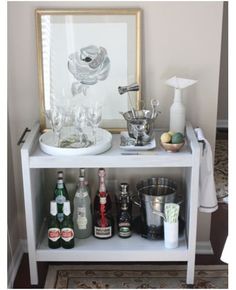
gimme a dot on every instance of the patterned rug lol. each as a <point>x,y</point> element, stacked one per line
<point>100,276</point>
<point>221,169</point>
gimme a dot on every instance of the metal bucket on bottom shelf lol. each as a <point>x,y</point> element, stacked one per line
<point>153,193</point>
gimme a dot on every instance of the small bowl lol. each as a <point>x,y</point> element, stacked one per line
<point>169,147</point>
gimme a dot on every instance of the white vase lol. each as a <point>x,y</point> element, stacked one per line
<point>177,114</point>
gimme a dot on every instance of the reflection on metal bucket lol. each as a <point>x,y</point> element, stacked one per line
<point>153,193</point>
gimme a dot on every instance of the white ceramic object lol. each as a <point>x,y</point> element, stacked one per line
<point>103,143</point>
<point>151,145</point>
<point>171,235</point>
<point>177,110</point>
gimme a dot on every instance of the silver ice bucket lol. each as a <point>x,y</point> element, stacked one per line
<point>153,193</point>
<point>140,124</point>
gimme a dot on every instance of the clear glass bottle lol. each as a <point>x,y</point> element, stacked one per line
<point>124,212</point>
<point>54,233</point>
<point>103,227</point>
<point>67,228</point>
<point>82,216</point>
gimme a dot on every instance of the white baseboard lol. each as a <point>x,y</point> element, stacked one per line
<point>222,123</point>
<point>204,248</point>
<point>15,263</point>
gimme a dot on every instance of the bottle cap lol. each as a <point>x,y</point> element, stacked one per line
<point>53,207</point>
<point>66,208</point>
<point>101,172</point>
<point>59,174</point>
<point>124,187</point>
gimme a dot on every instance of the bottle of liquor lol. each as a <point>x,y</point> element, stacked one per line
<point>60,196</point>
<point>82,216</point>
<point>54,233</point>
<point>67,229</point>
<point>124,217</point>
<point>103,220</point>
<point>102,186</point>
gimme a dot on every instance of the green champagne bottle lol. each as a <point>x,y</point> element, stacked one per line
<point>67,229</point>
<point>60,197</point>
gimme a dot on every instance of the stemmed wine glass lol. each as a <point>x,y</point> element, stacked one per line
<point>94,114</point>
<point>56,119</point>
<point>80,121</point>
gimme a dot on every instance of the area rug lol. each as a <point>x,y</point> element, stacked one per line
<point>100,276</point>
<point>221,169</point>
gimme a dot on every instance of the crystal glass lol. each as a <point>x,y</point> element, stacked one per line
<point>94,115</point>
<point>56,119</point>
<point>80,123</point>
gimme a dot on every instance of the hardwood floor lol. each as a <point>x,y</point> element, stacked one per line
<point>219,232</point>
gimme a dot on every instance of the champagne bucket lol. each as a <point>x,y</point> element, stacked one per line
<point>153,193</point>
<point>140,125</point>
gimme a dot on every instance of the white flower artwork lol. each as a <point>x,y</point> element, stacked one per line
<point>88,66</point>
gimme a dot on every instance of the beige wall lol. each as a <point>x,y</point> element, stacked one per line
<point>182,38</point>
<point>223,84</point>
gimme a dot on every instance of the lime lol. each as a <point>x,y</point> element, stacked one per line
<point>165,137</point>
<point>177,138</point>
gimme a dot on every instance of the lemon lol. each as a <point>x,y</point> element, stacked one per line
<point>165,137</point>
<point>177,138</point>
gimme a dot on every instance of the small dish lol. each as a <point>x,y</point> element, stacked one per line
<point>169,147</point>
<point>128,143</point>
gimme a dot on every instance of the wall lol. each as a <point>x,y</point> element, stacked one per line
<point>222,115</point>
<point>182,38</point>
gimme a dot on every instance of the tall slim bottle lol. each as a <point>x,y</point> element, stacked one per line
<point>82,216</point>
<point>54,233</point>
<point>102,187</point>
<point>103,227</point>
<point>124,212</point>
<point>67,229</point>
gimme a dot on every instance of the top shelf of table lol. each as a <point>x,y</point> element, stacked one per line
<point>113,157</point>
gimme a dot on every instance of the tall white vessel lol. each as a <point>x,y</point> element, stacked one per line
<point>177,110</point>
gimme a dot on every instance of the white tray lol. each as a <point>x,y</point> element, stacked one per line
<point>151,145</point>
<point>47,145</point>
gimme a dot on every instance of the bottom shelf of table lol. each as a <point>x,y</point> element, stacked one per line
<point>115,249</point>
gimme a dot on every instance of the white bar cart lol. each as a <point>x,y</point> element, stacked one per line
<point>136,248</point>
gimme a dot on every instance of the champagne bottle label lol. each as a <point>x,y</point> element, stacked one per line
<point>60,199</point>
<point>54,234</point>
<point>81,218</point>
<point>103,232</point>
<point>67,234</point>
